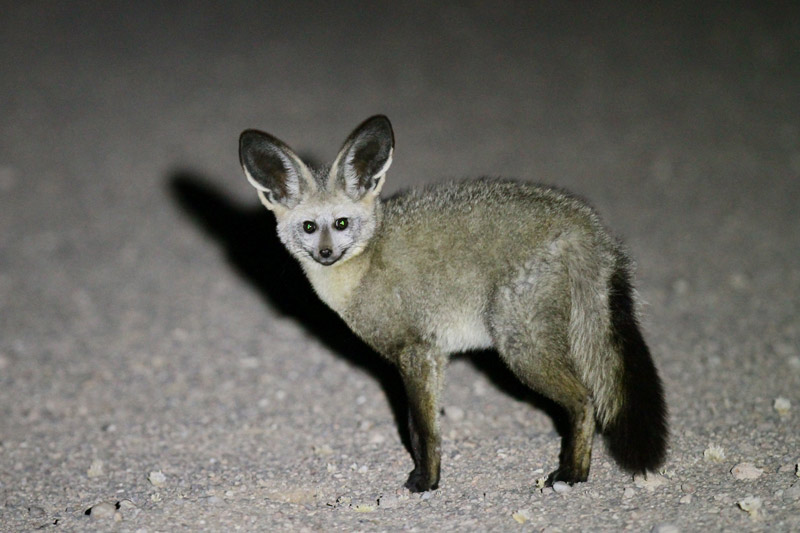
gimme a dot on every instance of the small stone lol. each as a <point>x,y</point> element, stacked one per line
<point>797,469</point>
<point>377,438</point>
<point>427,495</point>
<point>561,488</point>
<point>686,498</point>
<point>782,405</point>
<point>665,528</point>
<point>746,471</point>
<point>34,511</point>
<point>649,481</point>
<point>454,413</point>
<point>714,453</point>
<point>126,505</point>
<point>688,488</point>
<point>364,508</point>
<point>157,478</point>
<point>323,450</point>
<point>521,516</point>
<point>751,505</point>
<point>95,469</point>
<point>102,510</point>
<point>628,493</point>
<point>389,501</point>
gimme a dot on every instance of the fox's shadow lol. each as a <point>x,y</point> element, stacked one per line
<point>248,236</point>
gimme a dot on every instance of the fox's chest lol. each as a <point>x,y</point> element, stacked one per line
<point>335,285</point>
<point>391,316</point>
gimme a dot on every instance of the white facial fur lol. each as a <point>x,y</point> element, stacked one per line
<point>324,212</point>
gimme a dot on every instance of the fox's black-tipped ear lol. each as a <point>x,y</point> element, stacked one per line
<point>360,167</point>
<point>279,176</point>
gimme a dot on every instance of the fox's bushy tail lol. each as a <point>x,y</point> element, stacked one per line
<point>637,436</point>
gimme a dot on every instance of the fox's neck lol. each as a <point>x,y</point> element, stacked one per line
<point>336,284</point>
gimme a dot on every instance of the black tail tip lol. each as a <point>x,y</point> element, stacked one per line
<point>638,438</point>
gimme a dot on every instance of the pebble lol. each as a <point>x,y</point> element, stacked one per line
<point>793,492</point>
<point>95,469</point>
<point>561,488</point>
<point>323,450</point>
<point>628,493</point>
<point>665,528</point>
<point>102,510</point>
<point>34,511</point>
<point>157,478</point>
<point>782,405</point>
<point>364,508</point>
<point>388,501</point>
<point>521,516</point>
<point>686,498</point>
<point>751,505</point>
<point>746,471</point>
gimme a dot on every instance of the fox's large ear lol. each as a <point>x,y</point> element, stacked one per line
<point>270,166</point>
<point>360,167</point>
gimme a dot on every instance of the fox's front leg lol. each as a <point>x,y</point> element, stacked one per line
<point>422,370</point>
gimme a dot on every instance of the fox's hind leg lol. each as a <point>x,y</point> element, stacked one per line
<point>530,322</point>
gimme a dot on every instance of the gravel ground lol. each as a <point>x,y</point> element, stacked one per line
<point>164,367</point>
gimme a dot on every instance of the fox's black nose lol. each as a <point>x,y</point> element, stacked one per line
<point>325,252</point>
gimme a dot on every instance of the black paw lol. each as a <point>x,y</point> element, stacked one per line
<point>417,482</point>
<point>566,475</point>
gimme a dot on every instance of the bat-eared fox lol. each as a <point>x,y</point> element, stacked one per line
<point>526,270</point>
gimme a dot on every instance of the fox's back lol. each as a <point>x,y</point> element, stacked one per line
<point>442,252</point>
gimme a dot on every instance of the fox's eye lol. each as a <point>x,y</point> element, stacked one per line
<point>340,224</point>
<point>309,227</point>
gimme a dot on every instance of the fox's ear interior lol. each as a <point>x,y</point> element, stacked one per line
<point>360,168</point>
<point>279,176</point>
